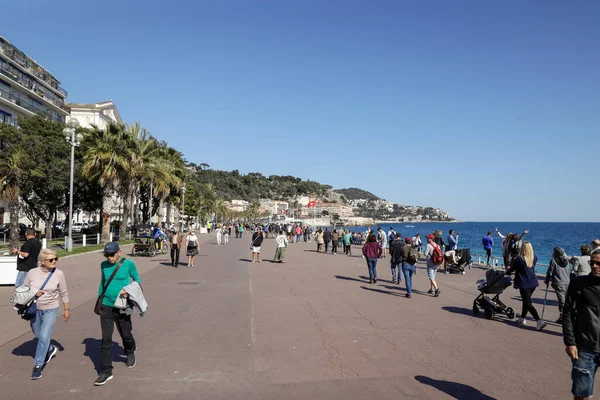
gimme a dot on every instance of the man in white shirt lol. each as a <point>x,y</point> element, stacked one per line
<point>282,242</point>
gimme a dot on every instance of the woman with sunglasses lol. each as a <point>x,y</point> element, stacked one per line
<point>47,307</point>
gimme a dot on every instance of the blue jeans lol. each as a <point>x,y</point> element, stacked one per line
<point>408,270</point>
<point>393,268</point>
<point>583,372</point>
<point>20,278</point>
<point>372,264</point>
<point>42,326</point>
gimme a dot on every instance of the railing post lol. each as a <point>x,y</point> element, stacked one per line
<point>110,237</point>
<point>44,243</point>
<point>84,237</point>
<point>97,238</point>
<point>66,242</point>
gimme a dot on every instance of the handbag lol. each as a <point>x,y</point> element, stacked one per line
<point>98,305</point>
<point>23,294</point>
<point>30,310</point>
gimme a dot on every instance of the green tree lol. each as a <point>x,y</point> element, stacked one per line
<point>106,159</point>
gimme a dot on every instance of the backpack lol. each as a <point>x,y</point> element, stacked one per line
<point>413,256</point>
<point>437,258</point>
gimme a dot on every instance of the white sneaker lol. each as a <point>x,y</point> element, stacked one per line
<point>521,321</point>
<point>541,324</point>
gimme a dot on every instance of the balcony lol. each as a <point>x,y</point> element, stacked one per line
<point>31,67</point>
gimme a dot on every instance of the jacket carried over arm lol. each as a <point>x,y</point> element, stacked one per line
<point>126,273</point>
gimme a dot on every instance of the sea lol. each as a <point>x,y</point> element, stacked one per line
<point>544,236</point>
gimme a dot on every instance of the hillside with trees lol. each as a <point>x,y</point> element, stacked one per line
<point>357,194</point>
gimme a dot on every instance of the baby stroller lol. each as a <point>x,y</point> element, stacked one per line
<point>494,283</point>
<point>457,261</point>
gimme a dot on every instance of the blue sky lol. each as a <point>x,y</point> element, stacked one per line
<point>486,109</point>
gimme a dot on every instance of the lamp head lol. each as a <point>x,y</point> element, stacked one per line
<point>73,123</point>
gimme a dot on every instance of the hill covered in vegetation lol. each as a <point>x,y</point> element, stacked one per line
<point>357,194</point>
<point>254,186</point>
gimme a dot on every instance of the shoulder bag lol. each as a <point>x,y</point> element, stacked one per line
<point>98,305</point>
<point>30,310</point>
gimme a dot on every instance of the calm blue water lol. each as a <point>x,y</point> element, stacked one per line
<point>544,236</point>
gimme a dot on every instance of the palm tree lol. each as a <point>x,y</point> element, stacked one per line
<point>11,170</point>
<point>106,158</point>
<point>208,200</point>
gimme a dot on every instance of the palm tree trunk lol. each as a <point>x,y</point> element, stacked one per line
<point>13,209</point>
<point>169,211</point>
<point>106,208</point>
<point>161,204</point>
<point>127,205</point>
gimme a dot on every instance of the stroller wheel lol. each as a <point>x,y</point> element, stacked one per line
<point>510,313</point>
<point>462,272</point>
<point>475,309</point>
<point>489,313</point>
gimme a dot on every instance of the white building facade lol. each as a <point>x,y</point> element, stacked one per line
<point>97,114</point>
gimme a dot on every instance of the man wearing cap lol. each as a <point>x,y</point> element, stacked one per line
<point>431,266</point>
<point>595,244</point>
<point>109,315</point>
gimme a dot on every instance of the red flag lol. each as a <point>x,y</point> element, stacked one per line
<point>312,203</point>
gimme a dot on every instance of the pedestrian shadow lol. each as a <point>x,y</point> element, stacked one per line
<point>311,251</point>
<point>93,351</point>
<point>168,264</point>
<point>454,389</point>
<point>28,348</point>
<point>549,302</point>
<point>382,291</point>
<point>348,278</point>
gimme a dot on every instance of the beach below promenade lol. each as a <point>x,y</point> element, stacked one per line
<point>312,328</point>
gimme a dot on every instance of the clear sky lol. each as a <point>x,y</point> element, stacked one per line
<point>489,110</point>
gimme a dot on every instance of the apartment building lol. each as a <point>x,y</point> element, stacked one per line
<point>274,206</point>
<point>27,88</point>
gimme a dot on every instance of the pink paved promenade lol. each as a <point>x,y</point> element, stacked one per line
<point>311,328</point>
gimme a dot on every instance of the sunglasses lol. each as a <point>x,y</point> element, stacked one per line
<point>55,259</point>
<point>109,255</point>
<point>592,263</point>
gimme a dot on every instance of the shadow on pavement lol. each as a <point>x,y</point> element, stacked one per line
<point>92,350</point>
<point>348,278</point>
<point>461,310</point>
<point>27,349</point>
<point>454,389</point>
<point>549,302</point>
<point>382,291</point>
<point>245,259</point>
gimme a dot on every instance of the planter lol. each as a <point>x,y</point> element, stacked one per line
<point>8,270</point>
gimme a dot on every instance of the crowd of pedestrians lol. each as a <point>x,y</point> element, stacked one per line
<point>575,281</point>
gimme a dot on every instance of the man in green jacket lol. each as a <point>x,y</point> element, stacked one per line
<point>109,315</point>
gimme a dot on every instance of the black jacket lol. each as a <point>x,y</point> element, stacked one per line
<point>439,240</point>
<point>257,239</point>
<point>396,252</point>
<point>581,314</point>
<point>327,236</point>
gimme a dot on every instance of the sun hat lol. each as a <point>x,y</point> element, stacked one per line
<point>430,236</point>
<point>408,240</point>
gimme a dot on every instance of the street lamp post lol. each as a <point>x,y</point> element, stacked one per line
<point>182,206</point>
<point>74,140</point>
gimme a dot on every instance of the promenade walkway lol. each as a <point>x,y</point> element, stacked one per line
<point>311,328</point>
